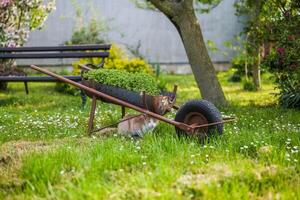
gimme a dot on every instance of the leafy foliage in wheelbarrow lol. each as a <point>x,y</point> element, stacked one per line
<point>136,82</point>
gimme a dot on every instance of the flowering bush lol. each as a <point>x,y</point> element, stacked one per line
<point>284,61</point>
<point>19,17</point>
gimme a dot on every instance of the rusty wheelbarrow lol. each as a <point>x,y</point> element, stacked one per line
<point>194,117</point>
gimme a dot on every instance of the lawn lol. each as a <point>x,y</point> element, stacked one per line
<point>45,153</point>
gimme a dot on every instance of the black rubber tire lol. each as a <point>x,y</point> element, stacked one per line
<point>207,109</point>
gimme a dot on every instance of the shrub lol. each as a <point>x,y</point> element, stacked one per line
<point>18,18</point>
<point>66,88</point>
<point>286,69</point>
<point>284,61</point>
<point>130,65</point>
<point>249,86</point>
<point>238,63</point>
<point>235,78</point>
<point>117,60</point>
<point>88,34</point>
<point>136,82</point>
<point>162,84</point>
<point>116,52</point>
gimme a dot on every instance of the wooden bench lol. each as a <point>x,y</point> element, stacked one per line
<point>51,52</point>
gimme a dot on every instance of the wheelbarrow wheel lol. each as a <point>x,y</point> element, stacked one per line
<point>199,112</point>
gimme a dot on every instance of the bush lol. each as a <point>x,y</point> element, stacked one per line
<point>136,82</point>
<point>290,99</point>
<point>249,86</point>
<point>287,75</point>
<point>66,88</point>
<point>117,60</point>
<point>162,84</point>
<point>130,65</point>
<point>19,17</point>
<point>238,63</point>
<point>235,78</point>
<point>88,34</point>
<point>284,62</point>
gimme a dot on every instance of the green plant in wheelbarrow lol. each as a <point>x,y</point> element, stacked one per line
<point>136,82</point>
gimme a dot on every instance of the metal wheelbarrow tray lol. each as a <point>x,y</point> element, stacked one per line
<point>198,117</point>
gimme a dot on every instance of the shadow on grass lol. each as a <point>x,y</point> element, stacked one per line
<point>10,188</point>
<point>8,101</point>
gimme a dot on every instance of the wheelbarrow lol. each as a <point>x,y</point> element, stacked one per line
<point>198,117</point>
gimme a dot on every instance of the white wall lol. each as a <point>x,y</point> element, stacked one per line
<point>160,40</point>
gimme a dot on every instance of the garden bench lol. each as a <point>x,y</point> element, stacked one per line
<point>51,52</point>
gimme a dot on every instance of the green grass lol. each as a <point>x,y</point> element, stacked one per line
<point>44,152</point>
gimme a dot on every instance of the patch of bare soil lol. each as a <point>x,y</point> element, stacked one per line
<point>11,152</point>
<point>206,176</point>
<point>135,193</point>
<point>11,160</point>
<point>219,172</point>
<point>269,171</point>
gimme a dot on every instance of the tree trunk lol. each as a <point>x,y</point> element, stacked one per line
<point>246,69</point>
<point>256,66</point>
<point>202,67</point>
<point>183,16</point>
<point>256,72</point>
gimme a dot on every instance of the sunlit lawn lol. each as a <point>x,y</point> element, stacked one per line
<point>45,153</point>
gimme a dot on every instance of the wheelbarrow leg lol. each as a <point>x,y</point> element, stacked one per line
<point>83,98</point>
<point>26,87</point>
<point>92,116</point>
<point>123,111</point>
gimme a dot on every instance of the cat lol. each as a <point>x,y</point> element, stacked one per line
<point>137,125</point>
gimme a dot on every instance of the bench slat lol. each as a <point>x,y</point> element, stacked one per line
<point>104,47</point>
<point>36,78</point>
<point>53,55</point>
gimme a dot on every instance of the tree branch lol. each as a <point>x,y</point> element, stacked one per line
<point>171,7</point>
